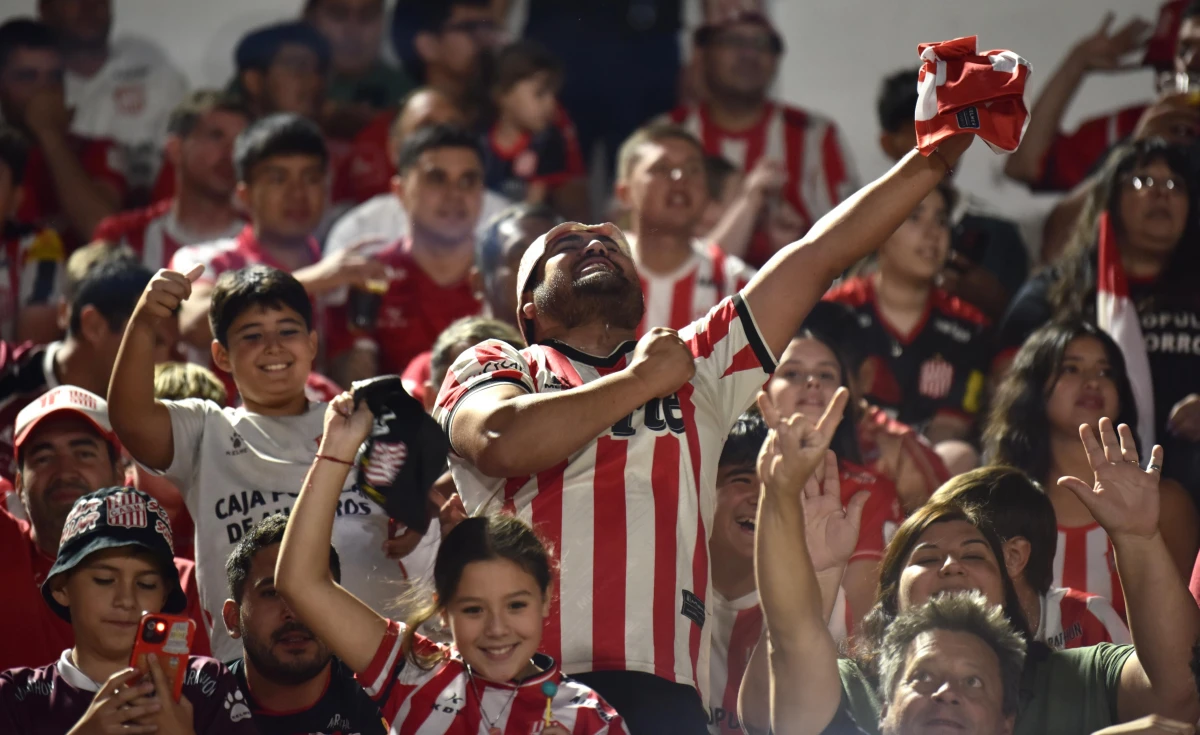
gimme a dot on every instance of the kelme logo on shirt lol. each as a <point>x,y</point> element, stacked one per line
<point>238,444</point>
<point>968,118</point>
<point>238,711</point>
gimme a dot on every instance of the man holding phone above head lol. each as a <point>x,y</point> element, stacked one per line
<point>115,563</point>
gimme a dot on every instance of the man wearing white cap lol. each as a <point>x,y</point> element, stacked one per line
<point>65,449</point>
<point>609,444</point>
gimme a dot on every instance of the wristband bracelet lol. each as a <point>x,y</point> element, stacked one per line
<point>335,459</point>
<point>945,164</point>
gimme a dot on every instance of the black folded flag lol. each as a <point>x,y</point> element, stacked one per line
<point>405,454</point>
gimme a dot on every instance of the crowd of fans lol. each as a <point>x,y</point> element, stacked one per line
<point>775,452</point>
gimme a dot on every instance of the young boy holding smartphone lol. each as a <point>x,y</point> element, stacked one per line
<point>115,562</point>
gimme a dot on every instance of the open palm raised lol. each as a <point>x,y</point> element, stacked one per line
<point>1123,498</point>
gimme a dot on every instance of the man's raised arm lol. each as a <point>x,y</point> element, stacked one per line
<point>507,431</point>
<point>796,277</point>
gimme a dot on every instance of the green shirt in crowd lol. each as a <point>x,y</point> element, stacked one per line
<point>1071,692</point>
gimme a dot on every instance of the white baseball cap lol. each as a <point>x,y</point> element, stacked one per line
<point>64,398</point>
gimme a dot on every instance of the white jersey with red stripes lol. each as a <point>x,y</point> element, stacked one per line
<point>809,145</point>
<point>1076,619</point>
<point>628,513</point>
<point>446,699</point>
<point>736,627</point>
<point>1084,561</point>
<point>677,299</point>
<point>154,233</point>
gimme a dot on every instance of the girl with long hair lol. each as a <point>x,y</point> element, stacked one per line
<point>492,580</point>
<point>1145,203</point>
<point>1066,374</point>
<point>810,371</point>
<point>803,540</point>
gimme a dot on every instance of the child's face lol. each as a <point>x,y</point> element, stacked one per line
<point>270,354</point>
<point>496,618</point>
<point>917,250</point>
<point>107,595</point>
<point>737,507</point>
<point>531,103</point>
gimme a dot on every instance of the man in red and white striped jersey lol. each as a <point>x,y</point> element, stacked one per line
<point>199,149</point>
<point>1019,512</point>
<point>608,445</point>
<point>661,179</point>
<point>741,123</point>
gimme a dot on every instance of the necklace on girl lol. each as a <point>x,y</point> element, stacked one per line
<point>490,721</point>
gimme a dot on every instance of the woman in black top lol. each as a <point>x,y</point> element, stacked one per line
<point>1148,191</point>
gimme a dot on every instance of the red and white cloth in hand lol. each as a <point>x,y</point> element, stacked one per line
<point>962,91</point>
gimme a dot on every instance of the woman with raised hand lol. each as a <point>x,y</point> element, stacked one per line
<point>493,582</point>
<point>942,549</point>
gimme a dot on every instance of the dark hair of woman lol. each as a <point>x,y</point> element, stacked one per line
<point>1074,290</point>
<point>1018,428</point>
<point>895,559</point>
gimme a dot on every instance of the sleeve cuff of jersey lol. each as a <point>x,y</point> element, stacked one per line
<point>753,335</point>
<point>374,678</point>
<point>448,421</point>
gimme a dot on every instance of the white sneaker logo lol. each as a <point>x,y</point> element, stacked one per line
<point>238,711</point>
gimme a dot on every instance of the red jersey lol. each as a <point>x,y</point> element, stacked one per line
<point>810,146</point>
<point>447,700</point>
<point>1084,561</point>
<point>550,157</point>
<point>153,233</point>
<point>101,159</point>
<point>629,513</point>
<point>677,299</point>
<point>31,268</point>
<point>937,367</point>
<point>1074,619</point>
<point>34,634</point>
<point>414,311</point>
<point>1072,157</point>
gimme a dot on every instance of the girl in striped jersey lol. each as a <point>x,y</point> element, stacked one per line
<point>1067,374</point>
<point>492,579</point>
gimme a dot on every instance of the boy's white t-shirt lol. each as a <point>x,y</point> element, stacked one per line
<point>235,468</point>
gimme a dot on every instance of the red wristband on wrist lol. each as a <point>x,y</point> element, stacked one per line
<point>335,459</point>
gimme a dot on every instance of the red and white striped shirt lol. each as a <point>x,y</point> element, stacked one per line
<point>1084,562</point>
<point>153,233</point>
<point>629,512</point>
<point>819,171</point>
<point>736,627</point>
<point>446,700</point>
<point>1076,619</point>
<point>677,299</point>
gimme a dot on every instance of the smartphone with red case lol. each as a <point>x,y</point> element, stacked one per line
<point>169,638</point>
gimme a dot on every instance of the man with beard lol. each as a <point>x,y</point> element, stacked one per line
<point>292,683</point>
<point>65,449</point>
<point>440,184</point>
<point>608,444</point>
<point>740,56</point>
